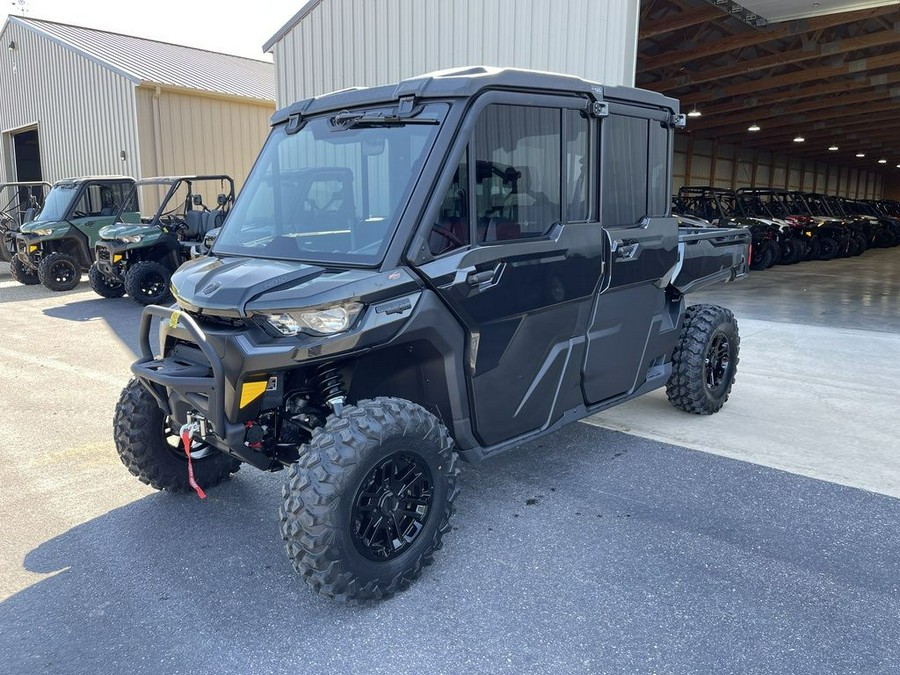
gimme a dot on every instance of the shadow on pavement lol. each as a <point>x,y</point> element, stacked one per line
<point>589,551</point>
<point>122,315</point>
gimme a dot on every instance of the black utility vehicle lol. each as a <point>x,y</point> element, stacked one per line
<point>488,257</point>
<point>139,258</point>
<point>722,208</point>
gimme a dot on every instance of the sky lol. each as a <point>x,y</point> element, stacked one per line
<point>218,26</point>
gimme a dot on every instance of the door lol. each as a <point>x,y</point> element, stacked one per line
<point>518,261</point>
<point>634,203</point>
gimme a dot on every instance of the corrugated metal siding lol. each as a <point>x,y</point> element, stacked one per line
<point>185,134</point>
<point>85,113</point>
<point>344,43</point>
<point>167,64</point>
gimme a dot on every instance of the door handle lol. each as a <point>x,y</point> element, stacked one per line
<point>478,278</point>
<point>627,252</point>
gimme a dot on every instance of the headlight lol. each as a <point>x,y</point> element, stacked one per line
<point>43,233</point>
<point>324,321</point>
<point>131,239</point>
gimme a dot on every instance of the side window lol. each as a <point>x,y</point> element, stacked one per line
<point>104,200</point>
<point>451,229</point>
<point>658,183</point>
<point>517,165</point>
<point>624,181</point>
<point>578,164</point>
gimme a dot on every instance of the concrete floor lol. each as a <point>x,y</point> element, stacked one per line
<point>816,386</point>
<point>590,551</point>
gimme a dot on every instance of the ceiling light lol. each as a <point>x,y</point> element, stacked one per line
<point>753,127</point>
<point>898,166</point>
<point>860,154</point>
<point>882,161</point>
<point>694,112</point>
<point>799,139</point>
<point>833,148</point>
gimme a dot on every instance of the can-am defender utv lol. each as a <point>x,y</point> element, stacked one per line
<point>500,263</point>
<point>19,204</point>
<point>58,245</point>
<point>139,258</point>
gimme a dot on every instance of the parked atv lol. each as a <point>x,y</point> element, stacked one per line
<point>139,258</point>
<point>833,224</point>
<point>480,279</point>
<point>19,202</point>
<point>57,246</point>
<point>881,231</point>
<point>722,208</point>
<point>766,204</point>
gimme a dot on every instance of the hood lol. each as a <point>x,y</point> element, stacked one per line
<point>227,286</point>
<point>119,230</point>
<point>40,225</point>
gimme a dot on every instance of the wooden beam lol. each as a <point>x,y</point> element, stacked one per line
<point>684,19</point>
<point>754,36</point>
<point>872,40</point>
<point>858,66</point>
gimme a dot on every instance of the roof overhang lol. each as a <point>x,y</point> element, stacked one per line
<point>293,21</point>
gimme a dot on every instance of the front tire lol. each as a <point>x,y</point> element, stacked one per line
<point>151,450</point>
<point>764,256</point>
<point>22,273</point>
<point>59,272</point>
<point>369,500</point>
<point>705,360</point>
<point>147,282</point>
<point>102,285</point>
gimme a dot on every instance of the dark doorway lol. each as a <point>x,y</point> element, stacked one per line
<point>28,156</point>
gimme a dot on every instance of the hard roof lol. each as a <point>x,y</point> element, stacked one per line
<point>468,81</point>
<point>151,62</point>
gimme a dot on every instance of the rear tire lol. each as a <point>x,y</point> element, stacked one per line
<point>22,273</point>
<point>102,285</point>
<point>828,248</point>
<point>151,450</point>
<point>59,272</point>
<point>147,282</point>
<point>369,500</point>
<point>705,360</point>
<point>764,256</point>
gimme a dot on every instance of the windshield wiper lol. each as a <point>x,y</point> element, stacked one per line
<point>348,120</point>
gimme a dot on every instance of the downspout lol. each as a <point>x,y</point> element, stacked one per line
<point>157,134</point>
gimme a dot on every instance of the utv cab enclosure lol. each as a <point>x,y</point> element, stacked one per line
<point>448,266</point>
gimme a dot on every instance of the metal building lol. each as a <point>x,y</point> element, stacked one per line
<point>334,44</point>
<point>78,101</point>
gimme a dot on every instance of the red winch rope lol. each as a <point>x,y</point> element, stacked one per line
<point>186,439</point>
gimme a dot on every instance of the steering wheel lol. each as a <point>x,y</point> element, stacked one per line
<point>449,235</point>
<point>79,214</point>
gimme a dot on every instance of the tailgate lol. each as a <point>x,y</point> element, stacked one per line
<point>707,256</point>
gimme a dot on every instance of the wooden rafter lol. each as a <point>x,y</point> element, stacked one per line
<point>684,19</point>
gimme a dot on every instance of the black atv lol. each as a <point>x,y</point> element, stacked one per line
<point>721,208</point>
<point>833,224</point>
<point>768,205</point>
<point>19,204</point>
<point>139,258</point>
<point>448,266</point>
<point>881,231</point>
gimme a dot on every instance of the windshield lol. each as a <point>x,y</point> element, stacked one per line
<point>331,192</point>
<point>58,202</point>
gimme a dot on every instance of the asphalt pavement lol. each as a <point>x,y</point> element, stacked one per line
<point>589,551</point>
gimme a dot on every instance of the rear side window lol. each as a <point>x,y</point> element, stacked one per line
<point>578,165</point>
<point>625,180</point>
<point>517,167</point>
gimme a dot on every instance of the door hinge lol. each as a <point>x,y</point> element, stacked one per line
<point>677,121</point>
<point>600,109</point>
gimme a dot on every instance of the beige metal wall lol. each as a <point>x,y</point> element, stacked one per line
<point>182,133</point>
<point>79,133</point>
<point>344,43</point>
<point>705,162</point>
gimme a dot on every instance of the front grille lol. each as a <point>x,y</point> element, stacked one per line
<point>103,253</point>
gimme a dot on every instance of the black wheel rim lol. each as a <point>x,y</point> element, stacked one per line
<point>718,359</point>
<point>392,506</point>
<point>62,272</point>
<point>152,284</point>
